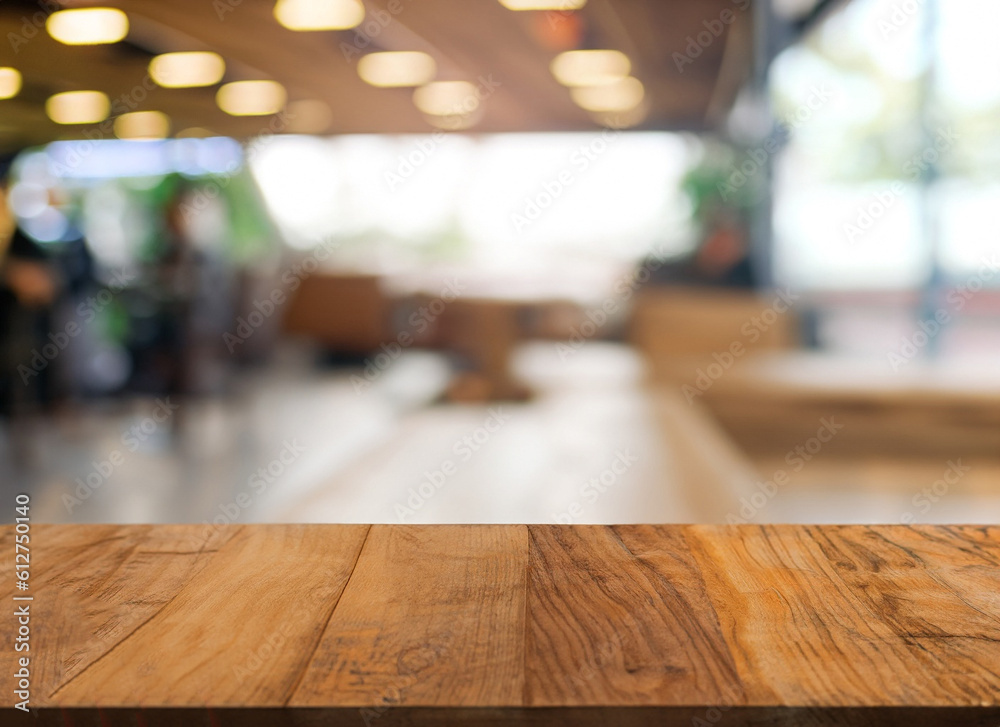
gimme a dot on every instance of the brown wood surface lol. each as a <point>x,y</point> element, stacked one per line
<point>540,624</point>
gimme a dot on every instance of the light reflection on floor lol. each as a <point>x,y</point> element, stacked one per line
<point>297,444</point>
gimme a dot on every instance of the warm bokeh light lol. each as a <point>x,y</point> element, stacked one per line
<point>187,69</point>
<point>397,68</point>
<point>251,98</point>
<point>621,95</point>
<point>88,26</point>
<point>447,98</point>
<point>10,82</point>
<point>543,4</point>
<point>590,67</point>
<point>142,125</point>
<point>319,14</point>
<point>78,107</point>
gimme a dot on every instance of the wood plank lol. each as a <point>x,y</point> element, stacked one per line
<point>619,616</point>
<point>238,633</point>
<point>545,625</point>
<point>433,616</point>
<point>94,585</point>
<point>857,616</point>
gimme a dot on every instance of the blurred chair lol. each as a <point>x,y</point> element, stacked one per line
<point>346,313</point>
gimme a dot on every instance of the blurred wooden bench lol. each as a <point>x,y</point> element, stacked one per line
<point>680,329</point>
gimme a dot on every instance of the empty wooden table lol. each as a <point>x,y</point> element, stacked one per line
<point>497,624</point>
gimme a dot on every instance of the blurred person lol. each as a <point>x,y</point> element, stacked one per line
<point>722,259</point>
<point>28,288</point>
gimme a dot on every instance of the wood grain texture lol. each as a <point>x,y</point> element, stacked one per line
<point>619,616</point>
<point>433,616</point>
<point>239,632</point>
<point>858,616</point>
<point>95,585</point>
<point>553,625</point>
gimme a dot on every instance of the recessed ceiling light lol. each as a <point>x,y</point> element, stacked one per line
<point>78,107</point>
<point>142,125</point>
<point>622,95</point>
<point>319,14</point>
<point>447,98</point>
<point>621,119</point>
<point>397,68</point>
<point>590,67</point>
<point>87,26</point>
<point>10,82</point>
<point>251,98</point>
<point>543,4</point>
<point>187,69</point>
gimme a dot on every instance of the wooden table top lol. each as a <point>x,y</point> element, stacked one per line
<point>492,624</point>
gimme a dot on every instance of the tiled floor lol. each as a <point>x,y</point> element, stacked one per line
<point>296,444</point>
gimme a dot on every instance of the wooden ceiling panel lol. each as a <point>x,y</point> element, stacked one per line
<point>471,39</point>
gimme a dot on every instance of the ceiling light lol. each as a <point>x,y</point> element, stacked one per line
<point>88,26</point>
<point>251,98</point>
<point>319,14</point>
<point>622,95</point>
<point>543,4</point>
<point>398,68</point>
<point>447,98</point>
<point>10,82</point>
<point>621,119</point>
<point>187,69</point>
<point>78,107</point>
<point>590,67</point>
<point>142,125</point>
<point>308,116</point>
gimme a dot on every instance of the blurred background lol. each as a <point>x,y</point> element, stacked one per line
<point>587,261</point>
